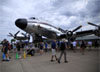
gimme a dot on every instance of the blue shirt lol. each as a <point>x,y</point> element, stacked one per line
<point>46,45</point>
<point>53,45</point>
<point>41,46</point>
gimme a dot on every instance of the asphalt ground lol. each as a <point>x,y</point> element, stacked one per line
<point>89,62</point>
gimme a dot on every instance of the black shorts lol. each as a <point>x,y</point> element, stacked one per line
<point>18,49</point>
<point>41,48</point>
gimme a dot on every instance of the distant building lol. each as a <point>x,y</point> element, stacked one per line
<point>87,38</point>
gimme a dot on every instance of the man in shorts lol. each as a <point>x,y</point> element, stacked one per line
<point>53,46</point>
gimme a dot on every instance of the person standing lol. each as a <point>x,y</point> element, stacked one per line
<point>5,50</point>
<point>63,51</point>
<point>53,46</point>
<point>96,44</point>
<point>74,46</point>
<point>46,47</point>
<point>18,48</point>
<point>41,48</point>
<point>82,47</point>
<point>14,47</point>
<point>90,45</point>
<point>58,44</point>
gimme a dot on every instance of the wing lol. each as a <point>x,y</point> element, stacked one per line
<point>84,33</point>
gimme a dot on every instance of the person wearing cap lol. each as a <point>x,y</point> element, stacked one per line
<point>63,51</point>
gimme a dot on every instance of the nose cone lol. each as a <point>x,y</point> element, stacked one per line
<point>21,23</point>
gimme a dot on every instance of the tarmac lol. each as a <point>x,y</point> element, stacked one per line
<point>41,63</point>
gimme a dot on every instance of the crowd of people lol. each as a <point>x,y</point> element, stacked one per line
<point>19,47</point>
<point>5,50</point>
<point>42,47</point>
<point>8,47</point>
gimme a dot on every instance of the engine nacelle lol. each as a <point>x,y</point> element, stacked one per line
<point>97,33</point>
<point>69,33</point>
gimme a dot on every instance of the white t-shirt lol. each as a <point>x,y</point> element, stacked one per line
<point>89,43</point>
<point>74,43</point>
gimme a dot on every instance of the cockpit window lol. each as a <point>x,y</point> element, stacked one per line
<point>32,18</point>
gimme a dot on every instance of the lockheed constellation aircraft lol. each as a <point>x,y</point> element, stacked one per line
<point>39,28</point>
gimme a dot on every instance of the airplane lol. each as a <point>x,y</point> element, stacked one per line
<point>15,36</point>
<point>38,28</point>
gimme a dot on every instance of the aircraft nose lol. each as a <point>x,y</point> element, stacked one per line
<point>21,23</point>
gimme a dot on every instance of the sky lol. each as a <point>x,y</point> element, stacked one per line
<point>66,14</point>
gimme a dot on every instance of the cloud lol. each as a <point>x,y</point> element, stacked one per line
<point>61,13</point>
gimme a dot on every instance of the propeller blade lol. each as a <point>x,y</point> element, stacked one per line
<point>10,34</point>
<point>93,24</point>
<point>23,34</point>
<point>77,28</point>
<point>66,30</point>
<point>17,33</point>
<point>61,29</point>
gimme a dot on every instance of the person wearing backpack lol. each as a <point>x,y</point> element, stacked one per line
<point>5,50</point>
<point>63,51</point>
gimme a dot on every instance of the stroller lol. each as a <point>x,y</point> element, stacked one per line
<point>30,51</point>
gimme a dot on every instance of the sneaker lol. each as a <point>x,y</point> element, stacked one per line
<point>7,60</point>
<point>52,60</point>
<point>66,61</point>
<point>9,57</point>
<point>3,60</point>
<point>58,61</point>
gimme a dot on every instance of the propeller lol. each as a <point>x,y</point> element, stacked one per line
<point>77,28</point>
<point>71,37</point>
<point>13,35</point>
<point>17,33</point>
<point>26,35</point>
<point>93,24</point>
<point>10,34</point>
<point>70,33</point>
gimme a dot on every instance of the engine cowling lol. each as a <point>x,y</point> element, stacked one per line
<point>97,33</point>
<point>69,33</point>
